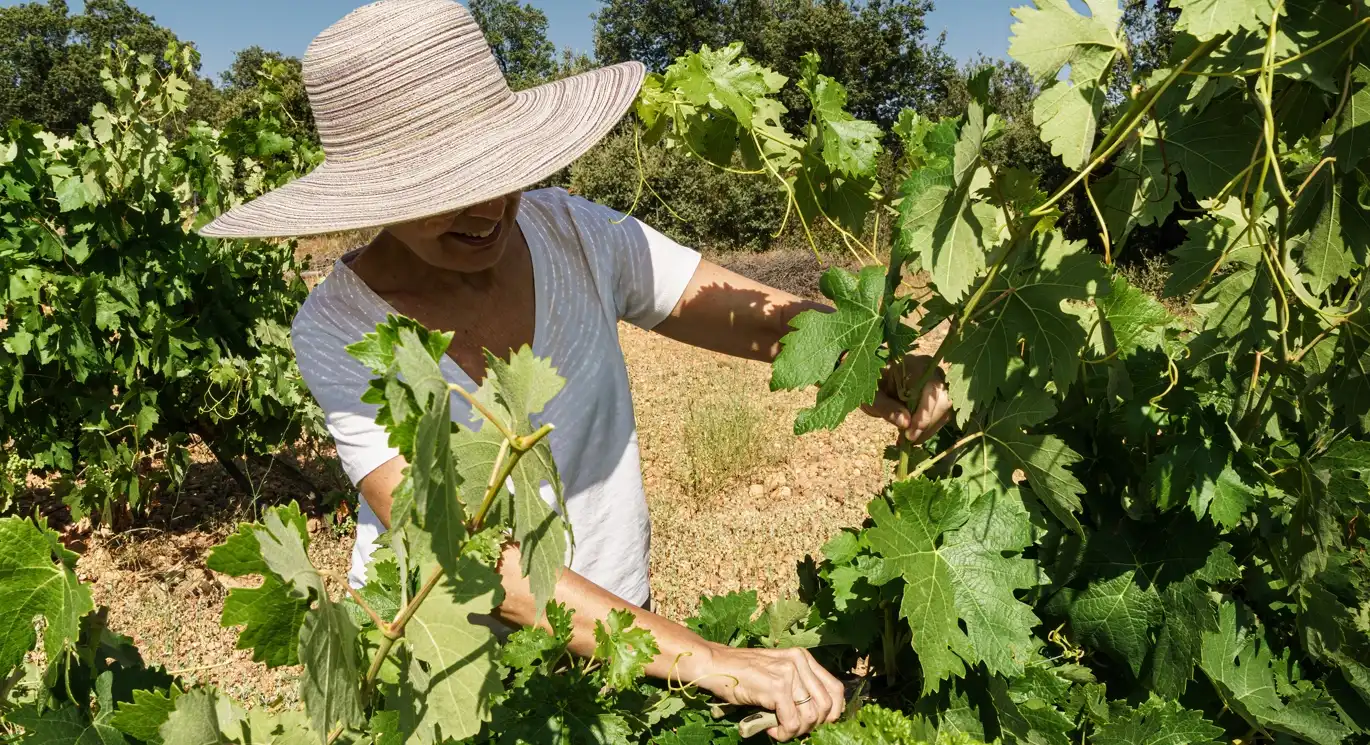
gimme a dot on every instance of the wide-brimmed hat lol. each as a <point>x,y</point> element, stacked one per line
<point>416,120</point>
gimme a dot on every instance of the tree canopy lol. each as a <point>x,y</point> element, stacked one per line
<point>878,48</point>
<point>50,59</point>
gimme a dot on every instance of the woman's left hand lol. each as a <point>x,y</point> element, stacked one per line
<point>933,403</point>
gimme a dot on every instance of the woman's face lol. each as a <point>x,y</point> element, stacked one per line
<point>469,240</point>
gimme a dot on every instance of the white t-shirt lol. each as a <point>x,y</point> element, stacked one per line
<point>592,267</point>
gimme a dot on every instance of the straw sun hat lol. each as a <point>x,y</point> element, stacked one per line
<point>417,120</point>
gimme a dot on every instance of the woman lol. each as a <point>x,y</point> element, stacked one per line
<point>424,138</point>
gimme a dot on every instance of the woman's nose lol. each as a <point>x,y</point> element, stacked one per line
<point>491,210</point>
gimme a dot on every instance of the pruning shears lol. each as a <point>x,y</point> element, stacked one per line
<point>761,721</point>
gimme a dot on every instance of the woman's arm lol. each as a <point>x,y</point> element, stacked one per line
<point>771,679</point>
<point>726,312</point>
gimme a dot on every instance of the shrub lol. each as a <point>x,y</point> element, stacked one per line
<point>123,332</point>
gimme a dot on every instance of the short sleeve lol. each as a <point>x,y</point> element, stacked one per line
<point>649,271</point>
<point>337,381</point>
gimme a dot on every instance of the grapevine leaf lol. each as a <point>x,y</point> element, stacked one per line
<point>451,678</point>
<point>1241,308</point>
<point>203,717</point>
<point>1139,191</point>
<point>1225,500</point>
<point>1158,722</point>
<point>953,553</point>
<point>327,640</point>
<point>513,392</point>
<point>1052,35</point>
<point>726,619</point>
<point>1211,145</point>
<point>65,726</point>
<point>875,725</point>
<point>271,616</point>
<point>940,218</point>
<point>1116,615</point>
<point>1325,257</point>
<point>625,651</point>
<point>1211,245</point>
<point>1068,116</point>
<point>1330,633</point>
<point>990,462</point>
<point>851,147</point>
<point>1352,141</point>
<point>556,709</point>
<point>1243,668</point>
<point>1136,320</point>
<point>1032,309</point>
<point>1189,614</point>
<point>143,717</point>
<point>723,79</point>
<point>1205,19</point>
<point>37,580</point>
<point>533,648</point>
<point>811,351</point>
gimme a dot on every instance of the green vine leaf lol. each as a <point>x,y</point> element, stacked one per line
<point>1050,35</point>
<point>37,580</point>
<point>514,392</point>
<point>1245,671</point>
<point>1032,309</point>
<point>451,679</point>
<point>1135,319</point>
<point>1118,615</point>
<point>939,216</point>
<point>811,352</point>
<point>954,550</point>
<point>624,650</point>
<point>203,717</point>
<point>1352,142</point>
<point>327,642</point>
<point>143,717</point>
<point>990,462</point>
<point>1158,722</point>
<point>1206,19</point>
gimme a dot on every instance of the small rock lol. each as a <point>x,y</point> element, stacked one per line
<point>783,492</point>
<point>757,490</point>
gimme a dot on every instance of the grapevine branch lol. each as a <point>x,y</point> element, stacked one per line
<point>512,449</point>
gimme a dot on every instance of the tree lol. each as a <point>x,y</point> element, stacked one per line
<point>517,34</point>
<point>878,48</point>
<point>240,85</point>
<point>50,60</point>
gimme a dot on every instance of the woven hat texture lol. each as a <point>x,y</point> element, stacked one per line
<point>416,120</point>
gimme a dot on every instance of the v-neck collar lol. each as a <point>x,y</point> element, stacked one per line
<point>451,370</point>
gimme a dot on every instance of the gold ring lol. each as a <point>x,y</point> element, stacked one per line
<point>804,700</point>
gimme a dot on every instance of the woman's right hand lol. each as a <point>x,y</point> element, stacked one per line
<point>778,680</point>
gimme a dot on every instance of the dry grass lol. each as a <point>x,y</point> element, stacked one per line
<point>723,438</point>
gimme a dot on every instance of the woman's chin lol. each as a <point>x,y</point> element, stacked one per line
<point>459,256</point>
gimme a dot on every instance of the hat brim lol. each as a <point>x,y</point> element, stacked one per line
<point>536,133</point>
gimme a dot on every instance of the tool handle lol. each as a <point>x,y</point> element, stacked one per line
<point>757,723</point>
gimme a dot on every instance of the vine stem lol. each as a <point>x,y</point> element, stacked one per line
<point>1118,134</point>
<point>927,465</point>
<point>515,447</point>
<point>483,409</point>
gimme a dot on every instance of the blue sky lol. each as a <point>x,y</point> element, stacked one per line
<point>221,27</point>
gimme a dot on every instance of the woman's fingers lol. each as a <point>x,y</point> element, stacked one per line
<point>816,711</point>
<point>828,696</point>
<point>791,721</point>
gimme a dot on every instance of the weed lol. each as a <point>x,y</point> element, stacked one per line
<point>724,437</point>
